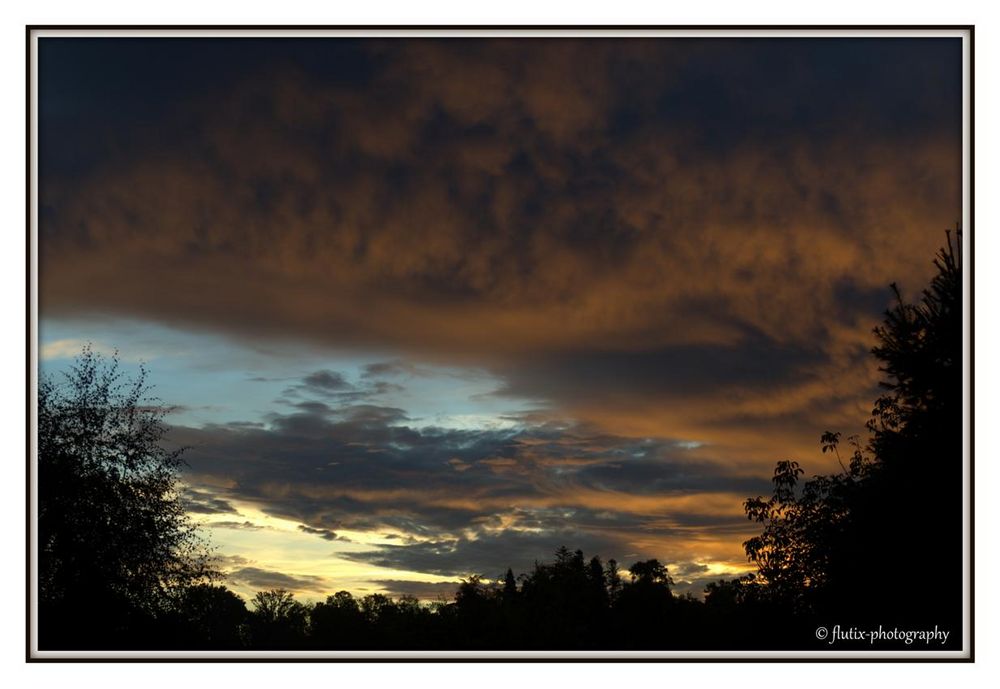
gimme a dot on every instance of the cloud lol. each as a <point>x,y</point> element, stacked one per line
<point>686,569</point>
<point>244,525</point>
<point>263,579</point>
<point>325,382</point>
<point>325,534</point>
<point>561,206</point>
<point>683,239</point>
<point>424,590</point>
<point>69,348</point>
<point>488,555</point>
<point>520,493</point>
<point>336,390</point>
<point>232,561</point>
<point>203,502</point>
<point>381,369</point>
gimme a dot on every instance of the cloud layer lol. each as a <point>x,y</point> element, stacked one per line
<point>675,250</point>
<point>454,502</point>
<point>480,198</point>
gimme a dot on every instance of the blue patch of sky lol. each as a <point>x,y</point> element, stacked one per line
<point>212,378</point>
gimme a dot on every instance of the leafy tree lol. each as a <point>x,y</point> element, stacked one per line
<point>278,620</point>
<point>828,545</point>
<point>644,606</point>
<point>113,537</point>
<point>803,528</point>
<point>650,572</point>
<point>338,622</point>
<point>211,617</point>
<point>376,607</point>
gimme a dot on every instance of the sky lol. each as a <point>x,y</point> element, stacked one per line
<point>427,308</point>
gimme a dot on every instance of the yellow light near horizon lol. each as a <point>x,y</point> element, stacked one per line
<point>275,544</point>
<point>320,567</point>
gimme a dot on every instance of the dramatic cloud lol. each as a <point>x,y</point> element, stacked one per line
<point>263,579</point>
<point>325,534</point>
<point>483,197</point>
<point>668,254</point>
<point>202,502</point>
<point>423,590</point>
<point>453,502</point>
<point>489,556</point>
<point>325,381</point>
<point>248,525</point>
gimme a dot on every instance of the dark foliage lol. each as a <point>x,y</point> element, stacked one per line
<point>206,616</point>
<point>880,542</point>
<point>113,539</point>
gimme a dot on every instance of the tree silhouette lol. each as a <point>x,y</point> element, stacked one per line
<point>509,585</point>
<point>278,620</point>
<point>837,544</point>
<point>612,579</point>
<point>913,505</point>
<point>338,622</point>
<point>211,617</point>
<point>644,605</point>
<point>113,538</point>
<point>650,572</point>
<point>803,529</point>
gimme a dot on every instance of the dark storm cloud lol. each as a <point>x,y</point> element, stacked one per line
<point>203,502</point>
<point>337,391</point>
<point>488,555</point>
<point>244,525</point>
<point>609,225</point>
<point>325,534</point>
<point>675,371</point>
<point>458,499</point>
<point>313,407</point>
<point>471,195</point>
<point>686,569</point>
<point>353,473</point>
<point>731,88</point>
<point>232,561</point>
<point>391,368</point>
<point>424,590</point>
<point>734,396</point>
<point>264,579</point>
<point>326,382</point>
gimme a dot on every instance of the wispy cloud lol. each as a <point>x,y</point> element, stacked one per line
<point>69,348</point>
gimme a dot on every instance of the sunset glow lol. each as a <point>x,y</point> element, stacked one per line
<point>428,308</point>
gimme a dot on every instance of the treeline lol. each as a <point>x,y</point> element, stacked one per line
<point>570,603</point>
